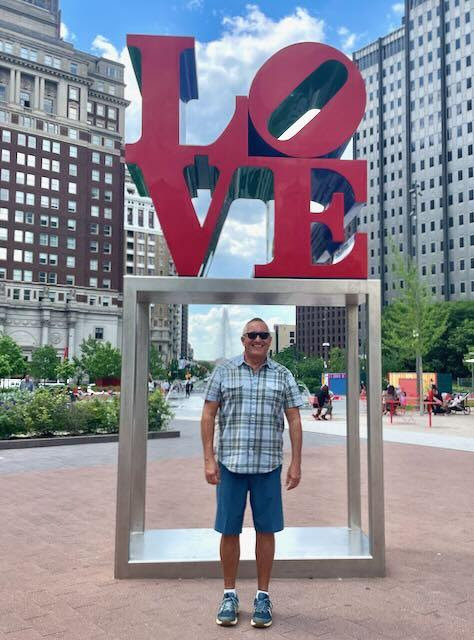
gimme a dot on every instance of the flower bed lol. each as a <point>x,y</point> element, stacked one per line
<point>47,413</point>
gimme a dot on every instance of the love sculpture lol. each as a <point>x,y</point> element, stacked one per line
<point>283,144</point>
<point>252,157</point>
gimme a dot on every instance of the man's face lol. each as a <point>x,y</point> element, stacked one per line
<point>256,347</point>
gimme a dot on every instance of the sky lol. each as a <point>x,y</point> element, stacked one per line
<point>233,39</point>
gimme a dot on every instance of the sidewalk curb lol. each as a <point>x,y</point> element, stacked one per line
<point>28,443</point>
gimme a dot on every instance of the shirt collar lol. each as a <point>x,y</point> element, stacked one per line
<point>239,361</point>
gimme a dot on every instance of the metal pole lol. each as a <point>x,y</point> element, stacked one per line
<point>374,427</point>
<point>352,416</point>
<point>125,453</point>
<point>140,422</point>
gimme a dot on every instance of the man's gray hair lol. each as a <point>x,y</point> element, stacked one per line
<point>253,320</point>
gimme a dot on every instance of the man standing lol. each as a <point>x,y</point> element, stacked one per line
<point>251,393</point>
<point>27,384</point>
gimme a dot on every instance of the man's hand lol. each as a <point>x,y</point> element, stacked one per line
<point>293,476</point>
<point>211,471</point>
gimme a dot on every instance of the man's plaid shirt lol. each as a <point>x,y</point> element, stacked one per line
<point>251,413</point>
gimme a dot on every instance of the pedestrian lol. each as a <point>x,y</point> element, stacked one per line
<point>321,401</point>
<point>251,393</point>
<point>27,384</point>
<point>188,388</point>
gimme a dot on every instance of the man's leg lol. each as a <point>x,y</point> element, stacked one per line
<point>230,555</point>
<point>264,553</point>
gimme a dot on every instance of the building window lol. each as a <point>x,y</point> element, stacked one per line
<point>99,333</point>
<point>73,114</point>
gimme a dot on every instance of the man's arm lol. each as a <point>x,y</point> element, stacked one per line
<point>293,476</point>
<point>208,420</point>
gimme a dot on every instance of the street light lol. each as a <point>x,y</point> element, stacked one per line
<point>326,346</point>
<point>415,191</point>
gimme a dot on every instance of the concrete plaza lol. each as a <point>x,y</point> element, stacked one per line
<point>57,508</point>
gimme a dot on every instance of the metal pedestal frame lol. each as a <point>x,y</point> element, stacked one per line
<point>300,551</point>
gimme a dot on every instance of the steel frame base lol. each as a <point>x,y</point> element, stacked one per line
<point>311,552</point>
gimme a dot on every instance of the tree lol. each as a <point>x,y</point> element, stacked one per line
<point>44,362</point>
<point>205,366</point>
<point>12,352</point>
<point>469,362</point>
<point>5,367</point>
<point>413,322</point>
<point>65,370</point>
<point>337,360</point>
<point>157,365</point>
<point>306,369</point>
<point>100,359</point>
<point>174,371</point>
<point>447,353</point>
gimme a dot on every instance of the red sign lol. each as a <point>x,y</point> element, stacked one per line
<point>307,77</point>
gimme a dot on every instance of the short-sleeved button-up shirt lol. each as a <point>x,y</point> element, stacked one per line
<point>251,410</point>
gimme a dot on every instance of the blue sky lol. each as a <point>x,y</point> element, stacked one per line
<point>233,39</point>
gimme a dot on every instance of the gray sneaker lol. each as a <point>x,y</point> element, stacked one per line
<point>262,615</point>
<point>228,611</point>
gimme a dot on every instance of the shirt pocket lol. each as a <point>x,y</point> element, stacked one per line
<point>232,391</point>
<point>274,395</point>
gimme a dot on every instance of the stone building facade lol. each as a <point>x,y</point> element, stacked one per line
<point>61,184</point>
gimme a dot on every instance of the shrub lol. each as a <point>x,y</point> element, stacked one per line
<point>96,415</point>
<point>159,412</point>
<point>46,413</point>
<point>12,412</point>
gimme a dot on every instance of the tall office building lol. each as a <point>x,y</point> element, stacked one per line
<point>417,138</point>
<point>318,329</point>
<point>147,254</point>
<point>61,190</point>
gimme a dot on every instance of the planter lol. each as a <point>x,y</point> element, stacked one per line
<point>25,443</point>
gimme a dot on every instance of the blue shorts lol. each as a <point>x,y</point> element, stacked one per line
<point>265,500</point>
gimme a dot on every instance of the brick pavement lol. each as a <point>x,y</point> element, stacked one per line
<point>56,543</point>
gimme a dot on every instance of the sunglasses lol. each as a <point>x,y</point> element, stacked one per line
<point>263,335</point>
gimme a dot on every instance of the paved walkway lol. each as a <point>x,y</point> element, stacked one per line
<point>56,542</point>
<point>454,431</point>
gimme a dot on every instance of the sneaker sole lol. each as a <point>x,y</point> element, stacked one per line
<point>261,625</point>
<point>226,623</point>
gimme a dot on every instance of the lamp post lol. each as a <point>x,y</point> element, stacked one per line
<point>326,346</point>
<point>415,191</point>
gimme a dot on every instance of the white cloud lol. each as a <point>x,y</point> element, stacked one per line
<point>194,4</point>
<point>243,239</point>
<point>65,33</point>
<point>398,8</point>
<point>348,39</point>
<point>205,327</point>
